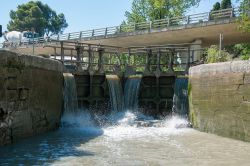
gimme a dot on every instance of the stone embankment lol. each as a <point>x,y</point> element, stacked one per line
<point>219,98</point>
<point>30,95</point>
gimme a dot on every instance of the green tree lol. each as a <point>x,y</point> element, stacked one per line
<point>138,12</point>
<point>39,16</point>
<point>216,6</point>
<point>244,19</point>
<point>225,4</point>
<point>145,10</point>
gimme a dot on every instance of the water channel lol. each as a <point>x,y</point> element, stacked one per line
<point>124,137</point>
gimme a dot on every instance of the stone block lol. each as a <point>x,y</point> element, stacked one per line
<point>219,98</point>
<point>30,95</point>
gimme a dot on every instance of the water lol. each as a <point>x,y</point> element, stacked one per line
<point>127,144</point>
<point>180,99</point>
<point>70,99</point>
<point>125,138</point>
<point>116,93</point>
<point>131,92</point>
<point>70,94</point>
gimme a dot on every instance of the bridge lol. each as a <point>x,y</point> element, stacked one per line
<point>159,51</point>
<point>205,27</point>
<point>188,33</point>
<point>186,29</point>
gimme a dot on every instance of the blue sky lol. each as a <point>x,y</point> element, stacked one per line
<point>89,14</point>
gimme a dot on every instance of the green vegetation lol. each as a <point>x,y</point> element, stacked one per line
<point>149,10</point>
<point>215,55</point>
<point>216,6</point>
<point>39,16</point>
<point>239,50</point>
<point>225,4</point>
<point>244,19</point>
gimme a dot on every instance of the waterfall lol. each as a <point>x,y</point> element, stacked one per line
<point>131,93</point>
<point>70,94</point>
<point>115,91</point>
<point>180,99</point>
<point>128,100</point>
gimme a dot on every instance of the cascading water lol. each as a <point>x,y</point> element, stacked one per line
<point>180,99</point>
<point>116,94</point>
<point>70,99</point>
<point>69,93</point>
<point>131,93</point>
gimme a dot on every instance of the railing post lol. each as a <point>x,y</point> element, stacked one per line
<point>209,16</point>
<point>150,25</point>
<point>134,26</point>
<point>93,32</point>
<point>69,36</point>
<point>106,32</point>
<point>168,19</point>
<point>188,19</point>
<point>232,13</point>
<point>80,36</point>
<point>58,37</point>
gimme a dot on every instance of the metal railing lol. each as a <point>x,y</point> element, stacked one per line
<point>156,24</point>
<point>128,28</point>
<point>94,58</point>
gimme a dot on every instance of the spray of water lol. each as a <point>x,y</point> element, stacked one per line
<point>125,121</point>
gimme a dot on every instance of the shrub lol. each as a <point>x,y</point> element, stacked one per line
<point>214,55</point>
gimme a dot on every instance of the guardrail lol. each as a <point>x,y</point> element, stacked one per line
<point>115,30</point>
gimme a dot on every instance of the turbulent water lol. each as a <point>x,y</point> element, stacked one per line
<point>166,142</point>
<point>125,137</point>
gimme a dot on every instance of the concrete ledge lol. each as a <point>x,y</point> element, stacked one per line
<point>32,61</point>
<point>220,68</point>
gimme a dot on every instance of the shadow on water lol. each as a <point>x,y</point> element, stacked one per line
<point>49,147</point>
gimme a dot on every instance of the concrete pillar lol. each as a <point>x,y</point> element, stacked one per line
<point>197,53</point>
<point>171,61</point>
<point>100,60</point>
<point>148,57</point>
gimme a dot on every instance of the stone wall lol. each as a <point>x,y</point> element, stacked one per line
<point>30,95</point>
<point>219,98</point>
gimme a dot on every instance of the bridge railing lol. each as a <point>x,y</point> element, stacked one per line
<point>127,28</point>
<point>156,24</point>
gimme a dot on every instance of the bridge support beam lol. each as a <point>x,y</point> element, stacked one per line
<point>147,65</point>
<point>171,61</point>
<point>100,61</point>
